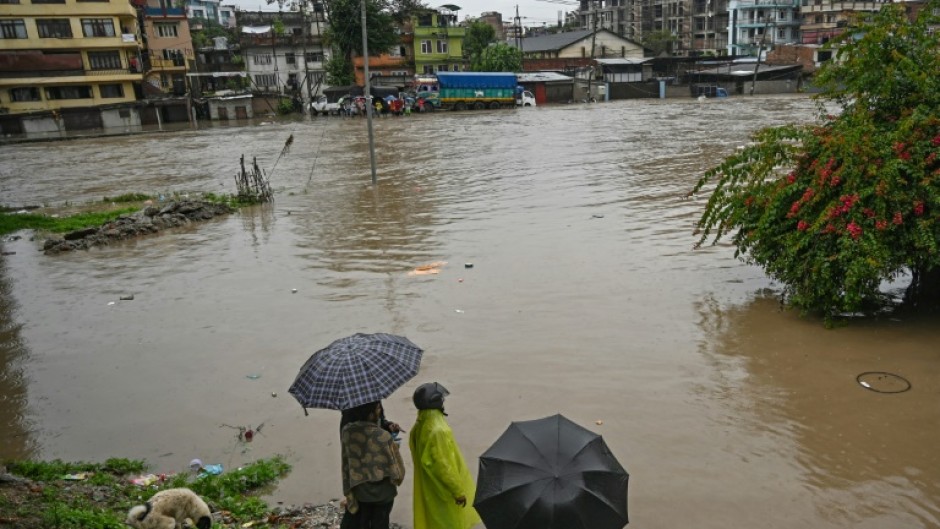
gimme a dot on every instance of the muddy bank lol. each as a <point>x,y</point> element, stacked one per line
<point>149,220</point>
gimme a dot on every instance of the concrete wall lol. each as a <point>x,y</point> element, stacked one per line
<point>120,121</point>
<point>231,108</point>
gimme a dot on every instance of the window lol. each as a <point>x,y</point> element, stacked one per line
<point>48,1</point>
<point>9,1</point>
<point>425,47</point>
<point>292,80</point>
<point>442,67</point>
<point>174,55</point>
<point>290,58</point>
<point>111,90</point>
<point>428,69</point>
<point>104,60</point>
<point>12,29</point>
<point>199,13</point>
<point>313,57</point>
<point>54,28</point>
<point>268,79</point>
<point>26,93</point>
<point>167,30</point>
<point>442,46</point>
<point>98,27</point>
<point>261,59</point>
<point>68,92</point>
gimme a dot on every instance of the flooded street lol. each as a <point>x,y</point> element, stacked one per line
<point>585,299</point>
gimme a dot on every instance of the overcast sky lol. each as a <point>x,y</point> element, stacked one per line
<point>532,12</point>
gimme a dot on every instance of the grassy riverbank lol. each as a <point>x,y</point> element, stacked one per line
<point>70,217</point>
<point>60,495</point>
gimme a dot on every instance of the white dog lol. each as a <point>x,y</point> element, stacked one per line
<point>168,509</point>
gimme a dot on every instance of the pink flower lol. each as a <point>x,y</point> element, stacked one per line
<point>919,208</point>
<point>854,230</point>
<point>881,224</point>
<point>802,225</point>
<point>898,219</point>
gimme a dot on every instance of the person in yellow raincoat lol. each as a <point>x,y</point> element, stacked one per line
<point>443,487</point>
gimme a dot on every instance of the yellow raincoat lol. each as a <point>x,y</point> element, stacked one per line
<point>440,475</point>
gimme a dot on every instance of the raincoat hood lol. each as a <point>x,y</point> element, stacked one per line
<point>430,396</point>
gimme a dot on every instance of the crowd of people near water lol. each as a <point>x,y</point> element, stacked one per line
<point>391,106</point>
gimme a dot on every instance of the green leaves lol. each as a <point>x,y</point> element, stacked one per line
<point>834,209</point>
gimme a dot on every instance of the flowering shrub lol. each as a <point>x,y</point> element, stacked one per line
<point>833,209</point>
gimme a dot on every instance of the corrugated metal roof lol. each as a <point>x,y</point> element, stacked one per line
<point>541,77</point>
<point>552,42</point>
<point>743,70</point>
<point>621,61</point>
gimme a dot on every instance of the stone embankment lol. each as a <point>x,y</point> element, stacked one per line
<point>149,220</point>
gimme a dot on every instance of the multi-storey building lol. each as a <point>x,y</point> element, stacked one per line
<point>438,41</point>
<point>756,25</point>
<point>284,52</point>
<point>825,19</point>
<point>169,54</point>
<point>210,10</point>
<point>698,27</point>
<point>60,54</point>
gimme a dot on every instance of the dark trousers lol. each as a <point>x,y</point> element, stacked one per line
<point>369,516</point>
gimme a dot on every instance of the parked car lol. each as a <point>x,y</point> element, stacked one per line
<point>320,105</point>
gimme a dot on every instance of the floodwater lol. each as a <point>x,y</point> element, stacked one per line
<point>585,299</point>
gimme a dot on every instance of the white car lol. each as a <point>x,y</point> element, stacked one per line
<point>320,105</point>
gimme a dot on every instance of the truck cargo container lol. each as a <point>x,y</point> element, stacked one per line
<point>477,90</point>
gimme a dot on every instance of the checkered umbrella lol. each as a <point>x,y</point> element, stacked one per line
<point>356,370</point>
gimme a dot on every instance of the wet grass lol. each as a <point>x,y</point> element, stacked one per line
<point>11,222</point>
<point>102,498</point>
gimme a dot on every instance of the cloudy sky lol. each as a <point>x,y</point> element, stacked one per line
<point>532,12</point>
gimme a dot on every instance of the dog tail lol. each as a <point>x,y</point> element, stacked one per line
<point>140,512</point>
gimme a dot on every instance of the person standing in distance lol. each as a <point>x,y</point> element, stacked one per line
<point>443,487</point>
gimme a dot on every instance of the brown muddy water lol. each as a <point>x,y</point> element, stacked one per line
<point>585,298</point>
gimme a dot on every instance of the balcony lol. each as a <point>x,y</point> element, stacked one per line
<point>165,12</point>
<point>446,32</point>
<point>286,41</point>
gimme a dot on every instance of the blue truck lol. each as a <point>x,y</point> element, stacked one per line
<point>477,90</point>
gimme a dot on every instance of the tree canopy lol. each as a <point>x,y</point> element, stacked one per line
<point>345,31</point>
<point>479,36</point>
<point>834,209</point>
<point>499,58</point>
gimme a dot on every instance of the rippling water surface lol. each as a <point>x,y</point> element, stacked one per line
<point>585,298</point>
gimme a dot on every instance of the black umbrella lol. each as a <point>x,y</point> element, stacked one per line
<point>356,370</point>
<point>551,474</point>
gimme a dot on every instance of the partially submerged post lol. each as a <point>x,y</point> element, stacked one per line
<point>252,185</point>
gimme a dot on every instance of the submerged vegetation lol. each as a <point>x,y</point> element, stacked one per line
<point>61,495</point>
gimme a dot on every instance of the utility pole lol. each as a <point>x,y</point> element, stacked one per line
<point>760,50</point>
<point>303,20</point>
<point>368,89</point>
<point>593,43</point>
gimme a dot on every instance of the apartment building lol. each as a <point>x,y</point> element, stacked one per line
<point>169,48</point>
<point>62,54</point>
<point>284,52</point>
<point>756,26</point>
<point>438,41</point>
